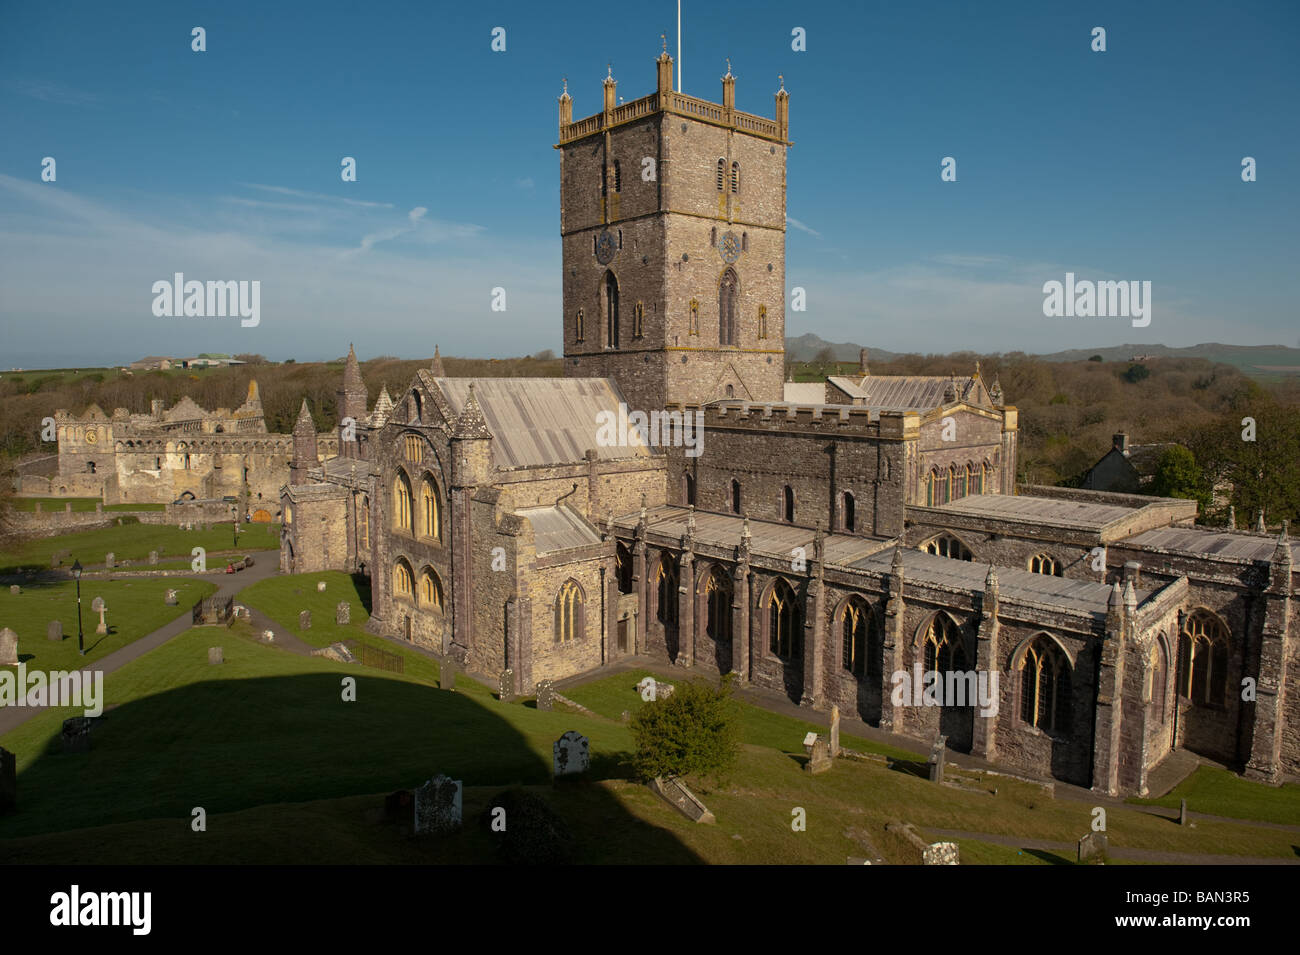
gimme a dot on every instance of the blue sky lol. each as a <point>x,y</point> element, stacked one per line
<point>225,165</point>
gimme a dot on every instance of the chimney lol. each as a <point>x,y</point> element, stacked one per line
<point>1121,443</point>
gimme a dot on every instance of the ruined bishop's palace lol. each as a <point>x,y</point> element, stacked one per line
<point>821,539</point>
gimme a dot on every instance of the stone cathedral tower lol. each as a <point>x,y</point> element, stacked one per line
<point>672,218</point>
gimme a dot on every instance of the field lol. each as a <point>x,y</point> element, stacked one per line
<point>133,542</point>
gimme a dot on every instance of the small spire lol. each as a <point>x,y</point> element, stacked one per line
<point>1116,597</point>
<point>728,68</point>
<point>565,81</point>
<point>435,366</point>
<point>977,367</point>
<point>991,579</point>
<point>1130,595</point>
<point>745,534</point>
<point>781,77</point>
<point>664,37</point>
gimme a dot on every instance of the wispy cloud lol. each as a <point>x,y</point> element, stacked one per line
<point>525,183</point>
<point>286,191</point>
<point>790,220</point>
<point>55,93</point>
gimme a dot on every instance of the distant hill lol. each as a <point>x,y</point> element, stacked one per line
<point>1258,361</point>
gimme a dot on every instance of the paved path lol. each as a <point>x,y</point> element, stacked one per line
<point>228,585</point>
<point>1115,852</point>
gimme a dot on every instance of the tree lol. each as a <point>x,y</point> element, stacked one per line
<point>824,357</point>
<point>1136,373</point>
<point>1096,358</point>
<point>1176,475</point>
<point>696,731</point>
<point>545,355</point>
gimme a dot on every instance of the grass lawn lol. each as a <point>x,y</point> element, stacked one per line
<point>79,505</point>
<point>1221,793</point>
<point>133,542</point>
<point>281,598</point>
<point>135,608</point>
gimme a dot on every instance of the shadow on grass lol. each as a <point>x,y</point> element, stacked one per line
<point>918,768</point>
<point>362,584</point>
<point>229,745</point>
<point>1047,856</point>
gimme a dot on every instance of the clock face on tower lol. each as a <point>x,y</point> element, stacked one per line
<point>729,247</point>
<point>605,248</point>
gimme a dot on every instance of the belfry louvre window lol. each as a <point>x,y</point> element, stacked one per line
<point>1203,660</point>
<point>735,177</point>
<point>568,612</point>
<point>618,176</point>
<point>785,632</point>
<point>722,174</point>
<point>1045,687</point>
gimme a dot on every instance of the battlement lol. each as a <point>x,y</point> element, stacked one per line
<point>828,419</point>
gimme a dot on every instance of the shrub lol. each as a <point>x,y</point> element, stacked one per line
<point>695,731</point>
<point>534,834</point>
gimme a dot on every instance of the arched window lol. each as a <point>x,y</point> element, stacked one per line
<point>666,591</point>
<point>618,177</point>
<point>787,504</point>
<point>363,521</point>
<point>735,177</point>
<point>569,623</point>
<point>784,631</point>
<point>945,545</point>
<point>717,591</point>
<point>431,590</point>
<point>402,504</point>
<point>432,510</point>
<point>958,482</point>
<point>1203,660</point>
<point>1159,679</point>
<point>943,490</point>
<point>730,391</point>
<point>1045,686</point>
<point>728,290</point>
<point>974,479</point>
<point>713,236</point>
<point>611,310</point>
<point>579,329</point>
<point>848,511</point>
<point>857,633</point>
<point>945,650</point>
<point>418,404</point>
<point>722,174</point>
<point>623,568</point>
<point>412,448</point>
<point>744,242</point>
<point>1042,564</point>
<point>689,483</point>
<point>403,584</point>
<point>931,486</point>
<point>735,496</point>
<point>986,480</point>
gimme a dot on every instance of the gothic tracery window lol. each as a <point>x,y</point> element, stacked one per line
<point>402,510</point>
<point>1203,660</point>
<point>1045,686</point>
<point>785,633</point>
<point>569,623</point>
<point>431,590</point>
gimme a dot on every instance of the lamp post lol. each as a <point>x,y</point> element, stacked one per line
<point>76,573</point>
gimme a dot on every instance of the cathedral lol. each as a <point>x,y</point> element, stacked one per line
<point>814,540</point>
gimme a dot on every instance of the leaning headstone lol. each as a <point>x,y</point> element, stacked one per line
<point>54,631</point>
<point>110,560</point>
<point>14,590</point>
<point>572,754</point>
<point>8,780</point>
<point>506,685</point>
<point>343,613</point>
<point>76,734</point>
<point>215,656</point>
<point>304,620</point>
<point>809,738</point>
<point>1092,845</point>
<point>320,585</point>
<point>545,695</point>
<point>938,754</point>
<point>153,557</point>
<point>941,853</point>
<point>437,805</point>
<point>447,675</point>
<point>820,759</point>
<point>673,792</point>
<point>171,599</point>
<point>1182,812</point>
<point>8,648</point>
<point>835,731</point>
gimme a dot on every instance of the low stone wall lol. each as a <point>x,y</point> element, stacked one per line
<point>46,523</point>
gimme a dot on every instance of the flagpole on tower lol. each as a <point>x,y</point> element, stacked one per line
<point>679,46</point>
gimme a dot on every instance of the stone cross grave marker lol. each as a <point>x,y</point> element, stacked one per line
<point>171,599</point>
<point>438,805</point>
<point>572,754</point>
<point>54,631</point>
<point>545,695</point>
<point>343,612</point>
<point>938,755</point>
<point>8,647</point>
<point>100,608</point>
<point>447,674</point>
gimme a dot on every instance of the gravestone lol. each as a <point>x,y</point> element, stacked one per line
<point>320,585</point>
<point>437,805</point>
<point>54,631</point>
<point>153,557</point>
<point>67,508</point>
<point>545,695</point>
<point>835,731</point>
<point>8,781</point>
<point>110,560</point>
<point>304,620</point>
<point>171,599</point>
<point>938,755</point>
<point>8,647</point>
<point>1182,812</point>
<point>809,738</point>
<point>215,656</point>
<point>506,685</point>
<point>625,716</point>
<point>100,608</point>
<point>76,734</point>
<point>1092,845</point>
<point>447,674</point>
<point>343,613</point>
<point>673,792</point>
<point>820,759</point>
<point>14,590</point>
<point>572,755</point>
<point>268,636</point>
<point>941,853</point>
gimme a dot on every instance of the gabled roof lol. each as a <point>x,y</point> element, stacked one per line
<point>543,421</point>
<point>911,392</point>
<point>184,410</point>
<point>558,528</point>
